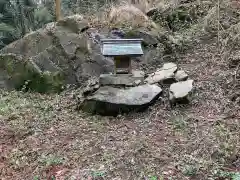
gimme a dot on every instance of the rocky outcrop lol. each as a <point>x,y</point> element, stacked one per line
<point>111,101</point>
<point>64,48</point>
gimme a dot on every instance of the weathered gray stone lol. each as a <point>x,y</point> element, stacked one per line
<point>136,78</point>
<point>153,11</point>
<point>116,34</point>
<point>4,80</point>
<point>157,11</point>
<point>30,45</point>
<point>92,85</point>
<point>180,91</point>
<point>95,35</point>
<point>15,72</point>
<point>164,74</point>
<point>75,23</point>
<point>45,60</point>
<point>170,67</point>
<point>119,79</point>
<point>149,38</point>
<point>159,76</point>
<point>71,41</point>
<point>137,82</point>
<point>181,75</point>
<point>112,101</point>
<point>138,74</point>
<point>64,48</point>
<point>234,61</point>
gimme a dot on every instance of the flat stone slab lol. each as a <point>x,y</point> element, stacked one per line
<point>92,85</point>
<point>179,92</point>
<point>138,73</point>
<point>111,101</point>
<point>170,66</point>
<point>164,74</point>
<point>134,79</point>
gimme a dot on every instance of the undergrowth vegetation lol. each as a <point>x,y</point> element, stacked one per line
<point>183,21</point>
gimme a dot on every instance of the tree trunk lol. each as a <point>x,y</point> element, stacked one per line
<point>58,9</point>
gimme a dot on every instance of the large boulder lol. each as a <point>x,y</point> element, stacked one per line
<point>112,101</point>
<point>64,48</point>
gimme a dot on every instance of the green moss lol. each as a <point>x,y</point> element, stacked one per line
<point>24,76</point>
<point>44,83</point>
<point>134,34</point>
<point>131,34</point>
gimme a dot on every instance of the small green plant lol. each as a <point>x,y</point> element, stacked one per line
<point>226,174</point>
<point>236,176</point>
<point>36,178</point>
<point>96,174</point>
<point>179,123</point>
<point>153,178</point>
<point>25,76</point>
<point>42,83</point>
<point>52,160</point>
<point>190,170</point>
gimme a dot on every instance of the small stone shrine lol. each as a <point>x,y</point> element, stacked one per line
<point>122,51</point>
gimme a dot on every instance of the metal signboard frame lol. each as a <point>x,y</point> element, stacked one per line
<point>121,47</point>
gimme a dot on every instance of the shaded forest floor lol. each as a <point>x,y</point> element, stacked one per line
<point>43,137</point>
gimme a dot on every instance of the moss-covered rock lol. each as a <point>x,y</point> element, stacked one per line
<point>44,83</point>
<point>24,75</point>
<point>150,38</point>
<point>66,49</point>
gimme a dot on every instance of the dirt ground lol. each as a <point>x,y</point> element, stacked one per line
<point>44,137</point>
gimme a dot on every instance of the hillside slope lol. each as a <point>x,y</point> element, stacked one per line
<point>45,137</point>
